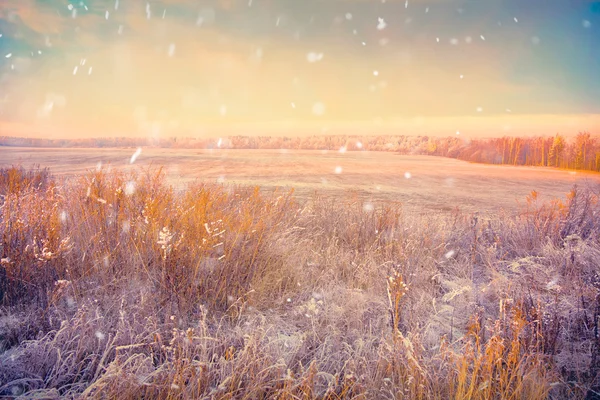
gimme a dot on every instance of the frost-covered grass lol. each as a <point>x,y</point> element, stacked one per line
<point>113,285</point>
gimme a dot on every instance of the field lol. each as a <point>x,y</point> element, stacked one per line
<point>155,280</point>
<point>435,183</point>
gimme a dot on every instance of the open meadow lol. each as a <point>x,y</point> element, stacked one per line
<point>420,183</point>
<point>380,276</point>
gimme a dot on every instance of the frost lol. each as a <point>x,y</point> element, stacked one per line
<point>586,23</point>
<point>318,109</point>
<point>407,175</point>
<point>135,155</point>
<point>381,25</point>
<point>171,51</point>
<point>313,57</point>
<point>553,285</point>
<point>338,170</point>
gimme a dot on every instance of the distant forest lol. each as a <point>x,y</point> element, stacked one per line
<point>580,153</point>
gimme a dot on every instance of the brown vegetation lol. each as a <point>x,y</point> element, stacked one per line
<point>114,285</point>
<point>581,153</point>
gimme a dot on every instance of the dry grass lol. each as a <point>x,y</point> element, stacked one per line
<point>115,285</point>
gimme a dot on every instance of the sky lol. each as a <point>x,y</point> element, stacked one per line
<point>299,67</point>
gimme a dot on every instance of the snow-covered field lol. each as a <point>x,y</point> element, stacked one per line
<point>419,182</point>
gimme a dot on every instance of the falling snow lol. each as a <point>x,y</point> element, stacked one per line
<point>381,25</point>
<point>318,109</point>
<point>313,57</point>
<point>130,188</point>
<point>135,155</point>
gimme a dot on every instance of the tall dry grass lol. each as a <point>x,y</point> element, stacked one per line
<point>116,285</point>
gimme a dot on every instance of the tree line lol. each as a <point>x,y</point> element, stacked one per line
<point>579,153</point>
